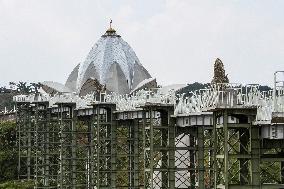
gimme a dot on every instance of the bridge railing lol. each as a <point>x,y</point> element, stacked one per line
<point>229,95</point>
<point>232,96</point>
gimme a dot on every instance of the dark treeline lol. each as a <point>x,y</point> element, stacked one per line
<point>21,88</point>
<point>197,86</point>
<point>6,94</point>
<point>9,158</point>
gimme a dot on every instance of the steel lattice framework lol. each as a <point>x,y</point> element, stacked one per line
<point>221,137</point>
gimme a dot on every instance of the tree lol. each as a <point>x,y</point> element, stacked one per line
<point>8,151</point>
<point>24,87</point>
<point>219,73</point>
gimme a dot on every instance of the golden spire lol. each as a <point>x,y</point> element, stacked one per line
<point>110,31</point>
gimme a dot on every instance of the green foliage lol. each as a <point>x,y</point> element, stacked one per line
<point>192,88</point>
<point>24,87</point>
<point>8,151</point>
<point>17,185</point>
<point>6,100</point>
<point>6,95</point>
<point>197,86</point>
<point>8,135</point>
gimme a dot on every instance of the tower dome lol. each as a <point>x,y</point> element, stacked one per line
<point>111,62</point>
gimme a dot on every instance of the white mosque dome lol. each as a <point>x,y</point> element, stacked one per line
<point>113,63</point>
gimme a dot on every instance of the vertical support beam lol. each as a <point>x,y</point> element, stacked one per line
<point>105,145</point>
<point>141,158</point>
<point>130,154</point>
<point>226,149</point>
<point>192,157</point>
<point>136,152</point>
<point>210,157</point>
<point>200,146</point>
<point>151,146</point>
<point>164,171</point>
<point>244,136</point>
<point>73,147</point>
<point>41,125</point>
<point>47,148</point>
<point>24,140</point>
<point>148,148</point>
<point>68,146</point>
<point>255,157</point>
<point>172,149</point>
<point>215,146</point>
<point>113,157</point>
<point>221,156</point>
<point>159,140</point>
<point>96,112</point>
<point>91,176</point>
<point>29,145</point>
<point>55,147</point>
<point>61,136</point>
<point>38,135</point>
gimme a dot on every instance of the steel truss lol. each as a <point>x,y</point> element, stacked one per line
<point>60,149</point>
<point>25,140</point>
<point>47,143</point>
<point>129,153</point>
<point>236,146</point>
<point>194,155</point>
<point>272,162</point>
<point>159,147</point>
<point>239,159</point>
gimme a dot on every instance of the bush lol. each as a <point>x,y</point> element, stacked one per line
<point>8,151</point>
<point>24,184</point>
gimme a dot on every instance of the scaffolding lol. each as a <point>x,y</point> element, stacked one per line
<point>25,141</point>
<point>159,147</point>
<point>228,141</point>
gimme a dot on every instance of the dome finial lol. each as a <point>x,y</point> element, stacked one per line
<point>110,23</point>
<point>110,31</point>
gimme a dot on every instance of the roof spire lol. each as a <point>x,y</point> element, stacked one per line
<point>110,31</point>
<point>110,23</point>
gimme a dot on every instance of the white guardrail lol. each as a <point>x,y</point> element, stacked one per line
<point>221,95</point>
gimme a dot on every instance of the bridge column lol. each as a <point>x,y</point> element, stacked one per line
<point>43,176</point>
<point>255,156</point>
<point>271,163</point>
<point>105,146</point>
<point>24,139</point>
<point>236,148</point>
<point>68,146</point>
<point>201,157</point>
<point>159,147</point>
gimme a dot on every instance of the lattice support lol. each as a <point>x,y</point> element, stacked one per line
<point>67,145</point>
<point>128,156</point>
<point>271,163</point>
<point>105,155</point>
<point>194,151</point>
<point>236,149</point>
<point>159,143</point>
<point>44,175</point>
<point>25,140</point>
<point>185,157</point>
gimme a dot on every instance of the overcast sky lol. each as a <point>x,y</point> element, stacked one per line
<point>177,41</point>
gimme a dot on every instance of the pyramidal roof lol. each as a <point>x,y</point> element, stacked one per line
<point>112,62</point>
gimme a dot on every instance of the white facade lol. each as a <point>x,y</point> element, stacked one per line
<point>113,63</point>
